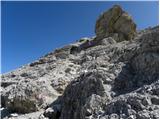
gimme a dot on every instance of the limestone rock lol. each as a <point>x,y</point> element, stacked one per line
<point>133,91</point>
<point>27,97</point>
<point>75,103</point>
<point>115,20</point>
<point>106,76</point>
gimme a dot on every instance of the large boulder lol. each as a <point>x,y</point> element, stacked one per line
<point>84,96</point>
<point>27,97</point>
<point>115,20</point>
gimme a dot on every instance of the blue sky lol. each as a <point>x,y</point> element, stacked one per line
<point>31,29</point>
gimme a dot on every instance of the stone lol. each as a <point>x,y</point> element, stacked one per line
<point>114,116</point>
<point>154,114</point>
<point>4,112</point>
<point>143,115</point>
<point>112,75</point>
<point>115,20</point>
<point>93,105</point>
<point>68,70</point>
<point>131,117</point>
<point>155,100</point>
<point>87,90</point>
<point>135,104</point>
<point>108,41</point>
<point>146,101</point>
<point>53,112</point>
<point>24,75</point>
<point>126,26</point>
<point>131,112</point>
<point>25,98</point>
<point>50,113</point>
<point>14,115</point>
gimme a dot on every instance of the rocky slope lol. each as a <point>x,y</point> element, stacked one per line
<point>112,75</point>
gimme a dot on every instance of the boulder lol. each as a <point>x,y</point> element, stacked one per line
<point>4,112</point>
<point>52,112</point>
<point>27,97</point>
<point>83,96</point>
<point>115,20</point>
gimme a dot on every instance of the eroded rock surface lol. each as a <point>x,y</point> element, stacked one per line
<point>116,80</point>
<point>98,77</point>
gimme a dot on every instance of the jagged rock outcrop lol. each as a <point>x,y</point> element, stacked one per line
<point>99,77</point>
<point>115,90</point>
<point>28,97</point>
<point>116,22</point>
<point>87,87</point>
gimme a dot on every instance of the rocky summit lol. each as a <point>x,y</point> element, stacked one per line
<point>113,75</point>
<point>116,22</point>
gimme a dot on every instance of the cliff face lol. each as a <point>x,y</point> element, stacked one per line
<point>112,75</point>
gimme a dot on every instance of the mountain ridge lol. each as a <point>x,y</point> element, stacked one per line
<point>107,76</point>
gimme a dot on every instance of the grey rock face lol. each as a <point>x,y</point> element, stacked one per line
<point>120,88</point>
<point>83,97</point>
<point>27,97</point>
<point>100,77</point>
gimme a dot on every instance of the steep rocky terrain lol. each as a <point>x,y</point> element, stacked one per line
<point>112,75</point>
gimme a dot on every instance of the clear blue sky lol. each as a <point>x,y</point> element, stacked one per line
<point>32,29</point>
